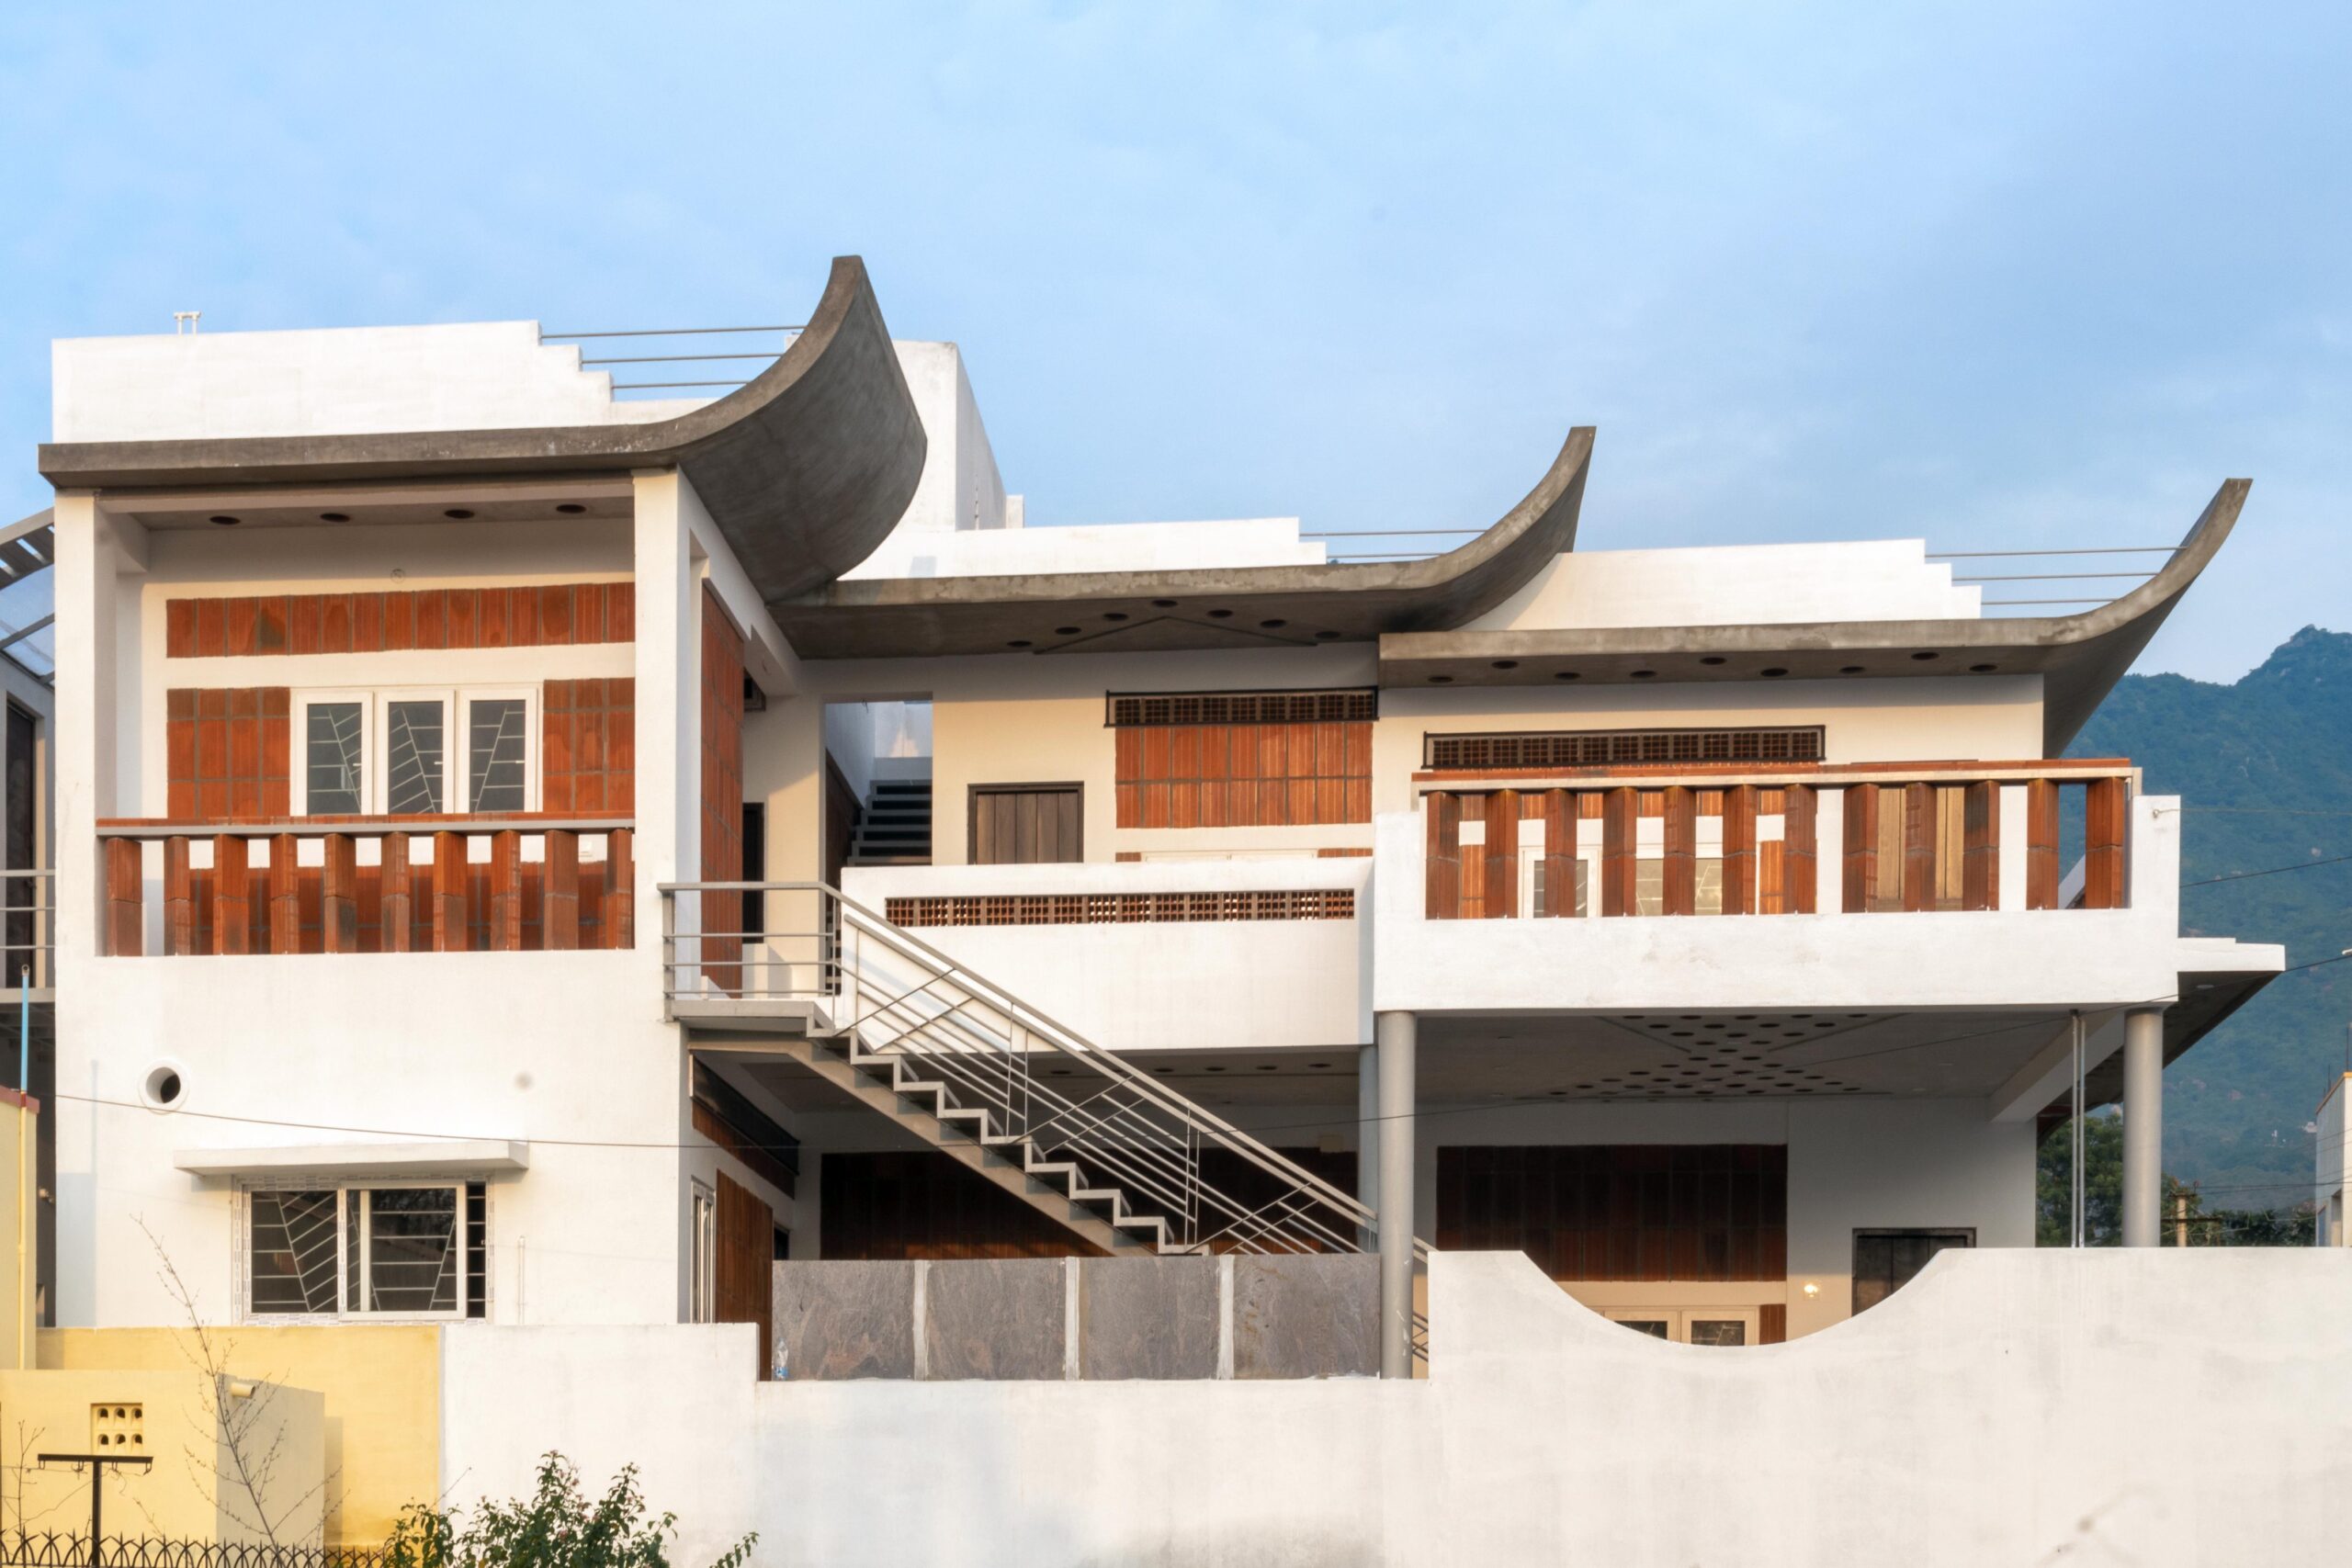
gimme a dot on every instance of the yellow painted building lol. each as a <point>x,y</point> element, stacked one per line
<point>351,1412</point>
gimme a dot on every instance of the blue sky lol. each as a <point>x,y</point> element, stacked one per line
<point>2000,276</point>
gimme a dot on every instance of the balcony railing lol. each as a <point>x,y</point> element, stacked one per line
<point>27,931</point>
<point>1734,840</point>
<point>496,884</point>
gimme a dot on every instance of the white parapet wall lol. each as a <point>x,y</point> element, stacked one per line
<point>2008,1406</point>
<point>1154,986</point>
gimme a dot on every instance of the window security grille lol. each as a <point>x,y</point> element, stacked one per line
<point>1124,908</point>
<point>1140,710</point>
<point>1606,747</point>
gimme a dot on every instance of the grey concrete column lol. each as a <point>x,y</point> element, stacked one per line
<point>1394,1034</point>
<point>1368,1138</point>
<point>2144,1125</point>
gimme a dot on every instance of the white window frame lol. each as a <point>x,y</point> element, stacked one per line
<point>343,1190</point>
<point>703,1294</point>
<point>1678,1321</point>
<point>457,741</point>
<point>379,719</point>
<point>459,750</point>
<point>298,763</point>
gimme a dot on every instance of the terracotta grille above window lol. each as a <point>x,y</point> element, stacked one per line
<point>1605,748</point>
<point>1136,710</point>
<point>1124,909</point>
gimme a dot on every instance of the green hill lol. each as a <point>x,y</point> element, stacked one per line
<point>2265,769</point>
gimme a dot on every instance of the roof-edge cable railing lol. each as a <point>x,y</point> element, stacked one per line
<point>591,362</point>
<point>1324,534</point>
<point>2167,551</point>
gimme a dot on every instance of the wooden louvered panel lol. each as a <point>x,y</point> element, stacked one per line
<point>1444,860</point>
<point>745,1267</point>
<point>2103,826</point>
<point>1739,851</point>
<point>722,791</point>
<point>1243,776</point>
<point>1980,882</point>
<point>1800,861</point>
<point>2042,872</point>
<point>1502,855</point>
<point>1617,847</point>
<point>1680,874</point>
<point>1860,877</point>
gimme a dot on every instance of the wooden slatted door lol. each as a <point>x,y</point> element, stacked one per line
<point>722,790</point>
<point>745,1267</point>
<point>1027,824</point>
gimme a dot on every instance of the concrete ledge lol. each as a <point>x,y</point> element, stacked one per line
<point>459,1156</point>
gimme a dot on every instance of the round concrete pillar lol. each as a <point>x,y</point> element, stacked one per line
<point>2144,1125</point>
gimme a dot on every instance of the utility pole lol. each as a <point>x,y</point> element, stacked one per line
<point>97,1463</point>
<point>2180,1218</point>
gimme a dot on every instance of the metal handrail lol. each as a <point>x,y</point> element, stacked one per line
<point>1141,1137</point>
<point>547,337</point>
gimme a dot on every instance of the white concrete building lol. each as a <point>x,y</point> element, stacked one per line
<point>538,857</point>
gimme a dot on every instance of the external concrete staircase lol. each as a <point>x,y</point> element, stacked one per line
<point>1087,1138</point>
<point>894,825</point>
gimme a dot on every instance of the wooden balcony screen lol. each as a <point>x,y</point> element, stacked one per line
<point>1928,844</point>
<point>438,901</point>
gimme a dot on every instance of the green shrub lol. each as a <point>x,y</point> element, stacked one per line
<point>557,1527</point>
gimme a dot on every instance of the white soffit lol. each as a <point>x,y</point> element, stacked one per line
<point>449,1156</point>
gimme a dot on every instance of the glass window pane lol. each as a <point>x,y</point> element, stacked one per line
<point>495,743</point>
<point>1709,898</point>
<point>332,757</point>
<point>411,1249</point>
<point>1718,1331</point>
<point>1656,1327</point>
<point>293,1252</point>
<point>477,1250</point>
<point>413,748</point>
<point>1649,887</point>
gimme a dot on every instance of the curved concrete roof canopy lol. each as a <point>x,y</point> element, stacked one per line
<point>806,468</point>
<point>1145,612</point>
<point>2079,657</point>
